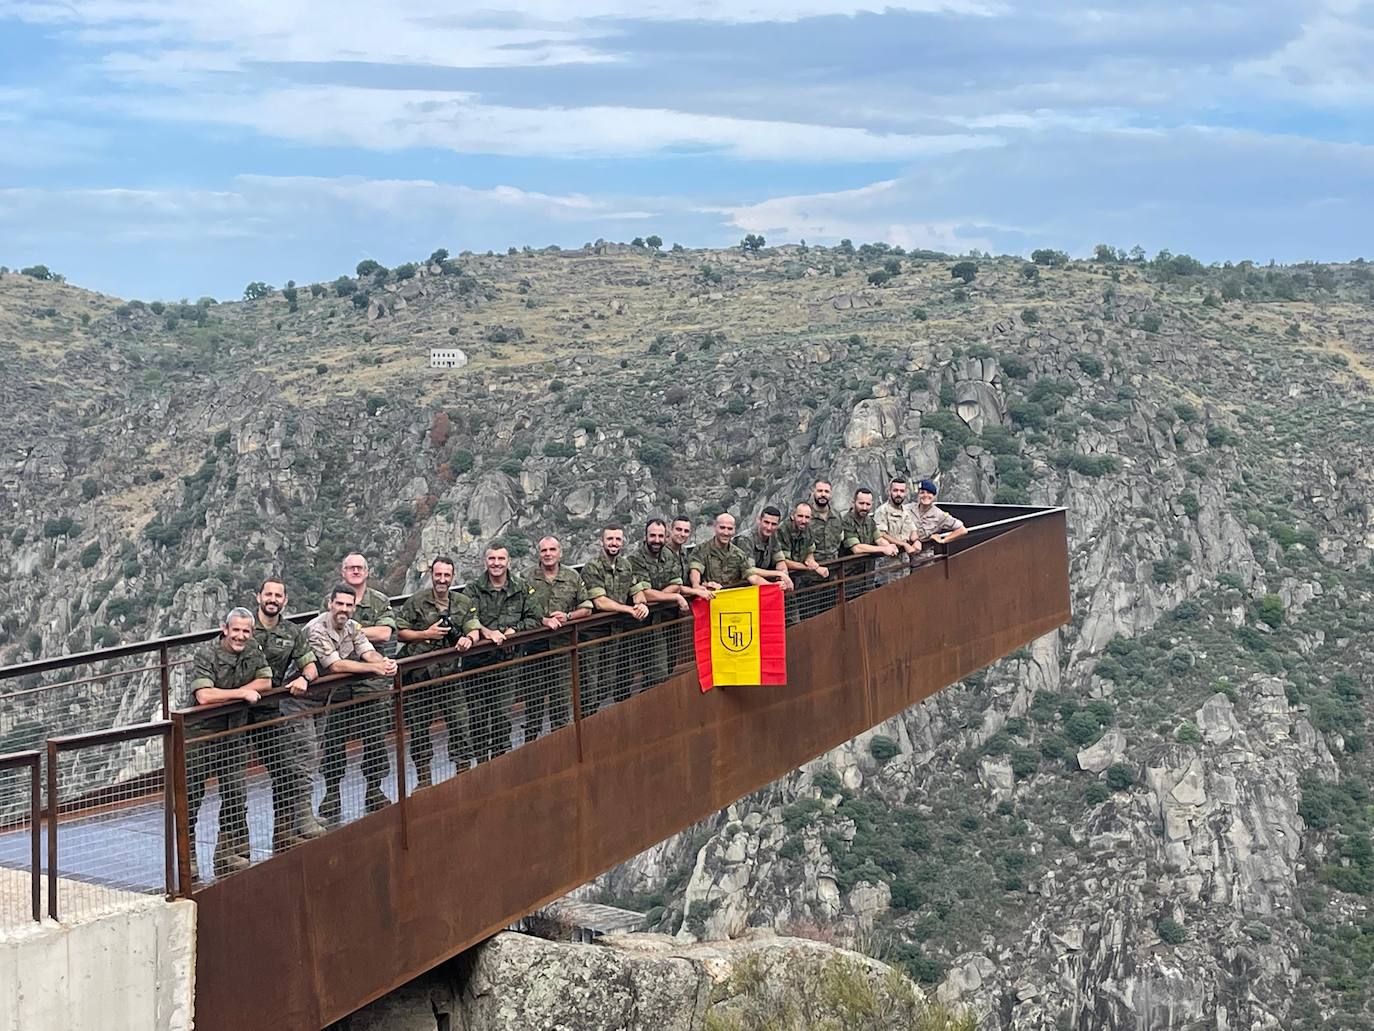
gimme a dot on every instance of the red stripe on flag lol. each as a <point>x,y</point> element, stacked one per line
<point>701,638</point>
<point>772,636</point>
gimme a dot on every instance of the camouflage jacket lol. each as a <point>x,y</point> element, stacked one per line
<point>827,534</point>
<point>284,645</point>
<point>726,565</point>
<point>421,611</point>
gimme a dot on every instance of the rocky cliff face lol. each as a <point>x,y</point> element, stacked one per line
<point>1156,815</point>
<point>627,982</point>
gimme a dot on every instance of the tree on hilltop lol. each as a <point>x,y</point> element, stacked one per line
<point>368,267</point>
<point>1050,258</point>
<point>965,270</point>
<point>752,242</point>
<point>42,272</point>
<point>653,242</point>
<point>256,290</point>
<point>438,257</point>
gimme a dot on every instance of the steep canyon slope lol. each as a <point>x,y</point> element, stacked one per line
<point>1156,817</point>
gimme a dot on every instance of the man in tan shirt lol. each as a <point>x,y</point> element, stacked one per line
<point>341,647</point>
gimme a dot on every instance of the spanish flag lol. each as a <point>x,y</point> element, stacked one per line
<point>740,637</point>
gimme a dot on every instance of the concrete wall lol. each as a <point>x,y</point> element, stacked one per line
<point>131,970</point>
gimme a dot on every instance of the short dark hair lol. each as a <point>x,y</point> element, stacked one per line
<point>771,510</point>
<point>818,481</point>
<point>272,580</point>
<point>341,588</point>
<point>445,560</point>
<point>898,479</point>
<point>652,521</point>
<point>682,519</point>
<point>863,490</point>
<point>611,526</point>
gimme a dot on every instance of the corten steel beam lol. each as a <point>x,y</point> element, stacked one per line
<point>311,936</point>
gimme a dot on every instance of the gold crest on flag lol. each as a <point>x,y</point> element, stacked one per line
<point>735,630</point>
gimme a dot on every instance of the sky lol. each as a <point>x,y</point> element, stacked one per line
<point>167,149</point>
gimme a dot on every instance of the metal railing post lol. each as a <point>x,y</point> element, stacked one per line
<point>181,815</point>
<point>575,691</point>
<point>169,833</point>
<point>35,835</point>
<point>165,678</point>
<point>398,719</point>
<point>52,829</point>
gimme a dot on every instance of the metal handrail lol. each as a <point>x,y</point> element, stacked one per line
<point>32,759</point>
<point>93,739</point>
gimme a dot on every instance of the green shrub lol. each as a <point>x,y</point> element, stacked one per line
<point>965,270</point>
<point>1171,931</point>
<point>1090,365</point>
<point>1270,610</point>
<point>1151,322</point>
<point>90,555</point>
<point>827,782</point>
<point>1024,763</point>
<point>1120,776</point>
<point>1082,728</point>
<point>1096,793</point>
<point>1188,734</point>
<point>883,748</point>
<point>558,449</point>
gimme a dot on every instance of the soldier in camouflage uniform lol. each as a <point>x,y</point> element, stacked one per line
<point>827,533</point>
<point>560,599</point>
<point>762,547</point>
<point>680,638</point>
<point>232,668</point>
<point>606,667</point>
<point>505,606</point>
<point>799,553</point>
<point>431,619</point>
<point>284,748</point>
<point>718,563</point>
<point>340,646</point>
<point>656,579</point>
<point>861,537</point>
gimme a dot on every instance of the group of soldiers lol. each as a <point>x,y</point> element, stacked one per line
<point>359,632</point>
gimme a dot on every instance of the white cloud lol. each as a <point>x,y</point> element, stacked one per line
<point>379,119</point>
<point>879,211</point>
<point>1217,194</point>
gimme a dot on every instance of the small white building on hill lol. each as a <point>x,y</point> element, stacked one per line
<point>447,358</point>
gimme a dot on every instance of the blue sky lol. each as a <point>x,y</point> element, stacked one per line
<point>159,148</point>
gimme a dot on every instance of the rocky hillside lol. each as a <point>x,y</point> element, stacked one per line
<point>626,982</point>
<point>1156,817</point>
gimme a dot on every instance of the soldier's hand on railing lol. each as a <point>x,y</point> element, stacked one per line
<point>786,583</point>
<point>640,611</point>
<point>916,547</point>
<point>389,667</point>
<point>887,548</point>
<point>464,643</point>
<point>712,585</point>
<point>682,603</point>
<point>298,686</point>
<point>552,621</point>
<point>495,636</point>
<point>249,695</point>
<point>821,571</point>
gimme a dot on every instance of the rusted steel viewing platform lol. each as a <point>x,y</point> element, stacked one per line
<point>309,935</point>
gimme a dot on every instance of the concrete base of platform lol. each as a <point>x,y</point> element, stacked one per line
<point>132,969</point>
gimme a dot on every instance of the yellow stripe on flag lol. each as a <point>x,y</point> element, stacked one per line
<point>735,638</point>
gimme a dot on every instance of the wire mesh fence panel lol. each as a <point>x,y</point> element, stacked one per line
<point>263,780</point>
<point>112,843</point>
<point>17,861</point>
